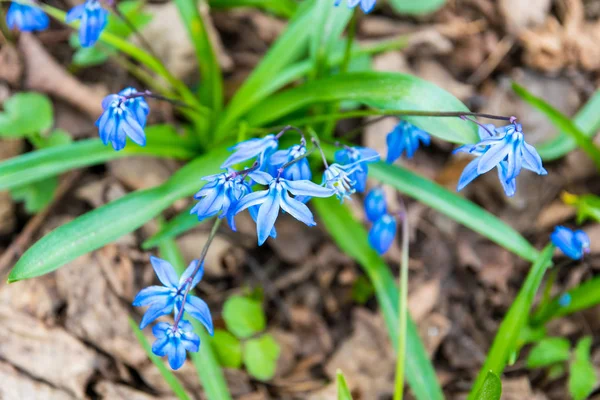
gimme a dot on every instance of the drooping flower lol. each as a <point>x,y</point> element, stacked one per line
<point>574,244</point>
<point>169,298</point>
<point>338,178</point>
<point>136,104</point>
<point>276,197</point>
<point>365,5</point>
<point>359,156</point>
<point>93,19</point>
<point>375,204</point>
<point>220,195</point>
<point>382,233</point>
<point>118,121</point>
<point>261,148</point>
<point>405,137</point>
<point>173,341</point>
<point>503,148</point>
<point>26,18</point>
<point>299,170</point>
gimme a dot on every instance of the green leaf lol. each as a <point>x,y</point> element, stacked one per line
<point>351,237</point>
<point>182,223</point>
<point>132,10</point>
<point>36,195</point>
<point>165,372</point>
<point>57,137</point>
<point>515,319</point>
<point>454,206</point>
<point>362,290</point>
<point>41,164</point>
<point>587,120</point>
<point>588,206</point>
<point>561,122</point>
<point>382,90</point>
<point>330,22</point>
<point>491,388</point>
<point>343,393</point>
<point>582,375</point>
<point>16,120</point>
<point>284,8</point>
<point>260,357</point>
<point>244,317</point>
<point>228,349</point>
<point>89,57</point>
<point>549,351</point>
<point>111,221</point>
<point>413,7</point>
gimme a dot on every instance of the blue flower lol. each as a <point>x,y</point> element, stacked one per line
<point>375,204</point>
<point>93,21</point>
<point>564,300</point>
<point>359,156</point>
<point>365,5</point>
<point>119,121</point>
<point>169,298</point>
<point>261,148</point>
<point>382,233</point>
<point>276,197</point>
<point>503,148</point>
<point>173,341</point>
<point>574,244</point>
<point>220,195</point>
<point>338,178</point>
<point>405,137</point>
<point>137,105</point>
<point>298,171</point>
<point>26,18</point>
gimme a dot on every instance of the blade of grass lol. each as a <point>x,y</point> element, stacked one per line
<point>283,8</point>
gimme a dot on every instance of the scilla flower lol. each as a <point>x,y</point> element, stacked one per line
<point>299,170</point>
<point>261,148</point>
<point>173,341</point>
<point>574,244</point>
<point>120,121</point>
<point>26,18</point>
<point>405,137</point>
<point>360,157</point>
<point>169,298</point>
<point>375,204</point>
<point>136,104</point>
<point>365,5</point>
<point>338,178</point>
<point>219,195</point>
<point>382,233</point>
<point>93,19</point>
<point>276,197</point>
<point>503,148</point>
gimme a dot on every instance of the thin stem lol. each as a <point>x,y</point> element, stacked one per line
<point>316,143</point>
<point>133,29</point>
<point>290,128</point>
<point>403,306</point>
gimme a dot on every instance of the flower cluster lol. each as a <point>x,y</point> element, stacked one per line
<point>405,137</point>
<point>26,18</point>
<point>365,5</point>
<point>574,244</point>
<point>383,231</point>
<point>173,340</point>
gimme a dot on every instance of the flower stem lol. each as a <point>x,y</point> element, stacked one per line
<point>403,307</point>
<point>134,30</point>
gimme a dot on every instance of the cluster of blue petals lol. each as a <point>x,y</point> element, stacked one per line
<point>405,138</point>
<point>503,148</point>
<point>173,340</point>
<point>26,18</point>
<point>574,244</point>
<point>124,115</point>
<point>365,5</point>
<point>92,21</point>
<point>384,228</point>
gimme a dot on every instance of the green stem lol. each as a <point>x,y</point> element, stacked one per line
<point>349,42</point>
<point>403,305</point>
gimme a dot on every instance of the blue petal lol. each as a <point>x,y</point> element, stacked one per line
<point>156,310</point>
<point>367,5</point>
<point>198,309</point>
<point>297,210</point>
<point>493,156</point>
<point>75,13</point>
<point>253,211</point>
<point>165,272</point>
<point>532,160</point>
<point>307,188</point>
<point>382,234</point>
<point>160,330</point>
<point>375,204</point>
<point>152,294</point>
<point>563,239</point>
<point>176,354</point>
<point>251,199</point>
<point>261,177</point>
<point>267,214</point>
<point>188,272</point>
<point>190,341</point>
<point>161,346</point>
<point>468,174</point>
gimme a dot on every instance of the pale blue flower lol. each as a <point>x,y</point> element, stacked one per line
<point>276,197</point>
<point>261,148</point>
<point>360,157</point>
<point>136,104</point>
<point>382,233</point>
<point>220,195</point>
<point>169,298</point>
<point>375,204</point>
<point>365,5</point>
<point>574,244</point>
<point>93,19</point>
<point>299,170</point>
<point>173,341</point>
<point>119,121</point>
<point>405,137</point>
<point>26,18</point>
<point>338,178</point>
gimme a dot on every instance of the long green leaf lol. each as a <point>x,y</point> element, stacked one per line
<point>382,90</point>
<point>506,339</point>
<point>491,388</point>
<point>587,120</point>
<point>284,8</point>
<point>413,7</point>
<point>181,223</point>
<point>211,89</point>
<point>455,207</point>
<point>165,372</point>
<point>330,22</point>
<point>343,393</point>
<point>111,221</point>
<point>351,237</point>
<point>41,164</point>
<point>561,122</point>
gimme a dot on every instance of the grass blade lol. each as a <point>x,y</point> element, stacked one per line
<point>343,393</point>
<point>181,223</point>
<point>283,8</point>
<point>491,388</point>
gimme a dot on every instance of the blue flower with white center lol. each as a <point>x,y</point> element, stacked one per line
<point>93,19</point>
<point>220,195</point>
<point>173,341</point>
<point>338,178</point>
<point>359,156</point>
<point>169,298</point>
<point>26,18</point>
<point>574,244</point>
<point>136,104</point>
<point>382,233</point>
<point>299,170</point>
<point>503,148</point>
<point>375,204</point>
<point>405,137</point>
<point>365,5</point>
<point>118,122</point>
<point>261,148</point>
<point>276,197</point>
